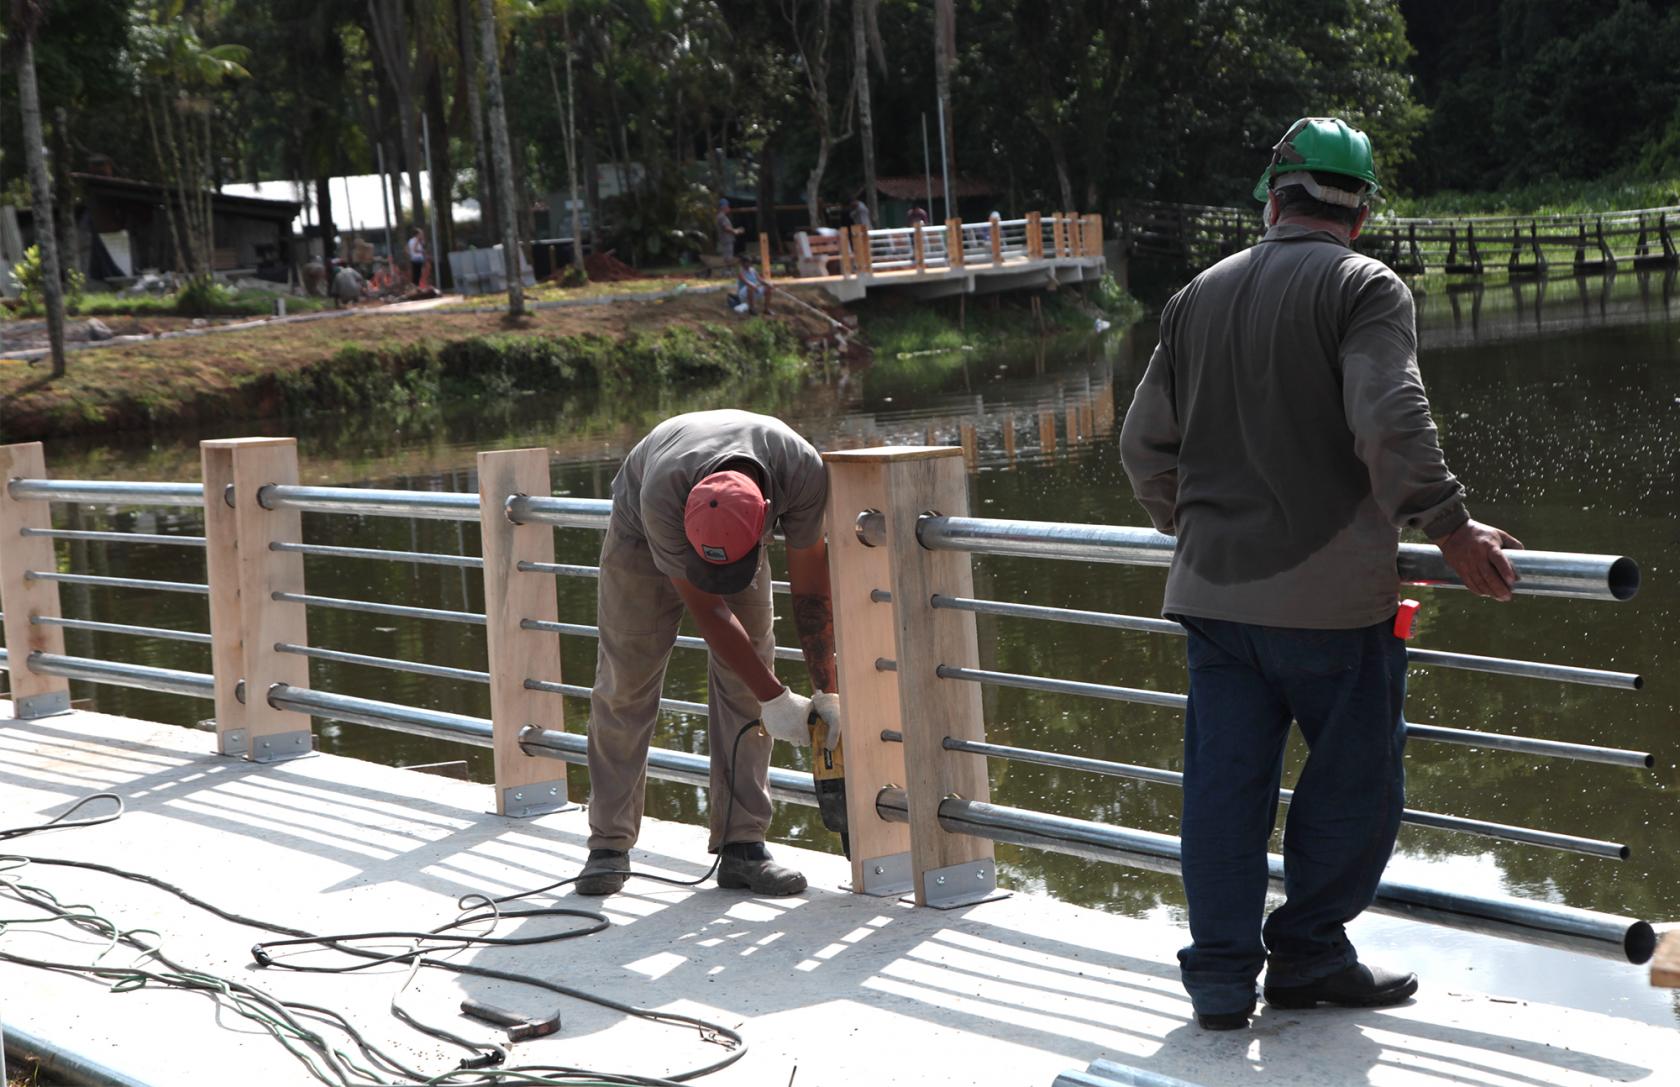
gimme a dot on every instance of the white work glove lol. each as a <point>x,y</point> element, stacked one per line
<point>784,717</point>
<point>826,704</point>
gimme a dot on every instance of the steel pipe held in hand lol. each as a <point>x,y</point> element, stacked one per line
<point>1607,935</point>
<point>1542,573</point>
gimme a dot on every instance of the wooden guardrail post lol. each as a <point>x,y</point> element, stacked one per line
<point>246,622</point>
<point>1055,235</point>
<point>950,870</point>
<point>23,598</point>
<point>953,243</point>
<point>1094,234</point>
<point>844,238</point>
<point>1034,239</point>
<point>861,256</point>
<point>525,784</point>
<point>864,629</point>
<point>764,257</point>
<point>916,247</point>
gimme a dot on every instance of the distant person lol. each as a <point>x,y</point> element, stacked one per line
<point>918,216</point>
<point>727,231</point>
<point>751,292</point>
<point>416,255</point>
<point>860,213</point>
<point>347,286</point>
<point>1281,432</point>
<point>315,278</point>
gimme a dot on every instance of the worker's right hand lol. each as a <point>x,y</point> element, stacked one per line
<point>785,717</point>
<point>1477,553</point>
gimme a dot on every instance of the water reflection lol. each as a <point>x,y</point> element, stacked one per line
<point>1568,439</point>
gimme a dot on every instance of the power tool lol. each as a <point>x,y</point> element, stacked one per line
<point>829,769</point>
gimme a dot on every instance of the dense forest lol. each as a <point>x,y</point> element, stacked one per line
<point>1068,103</point>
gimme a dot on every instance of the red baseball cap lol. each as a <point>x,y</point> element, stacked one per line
<point>724,521</point>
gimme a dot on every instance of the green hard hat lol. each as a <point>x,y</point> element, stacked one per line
<point>1325,144</point>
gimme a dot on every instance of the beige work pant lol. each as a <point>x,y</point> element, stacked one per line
<point>638,610</point>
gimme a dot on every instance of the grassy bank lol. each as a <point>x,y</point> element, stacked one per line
<point>1544,198</point>
<point>896,326</point>
<point>379,364</point>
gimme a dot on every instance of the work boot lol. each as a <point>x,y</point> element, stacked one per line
<point>1225,1020</point>
<point>604,872</point>
<point>747,866</point>
<point>1358,986</point>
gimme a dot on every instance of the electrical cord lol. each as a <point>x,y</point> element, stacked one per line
<point>62,820</point>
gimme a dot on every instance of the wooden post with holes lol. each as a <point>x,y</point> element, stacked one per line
<point>917,247</point>
<point>1665,965</point>
<point>764,257</point>
<point>844,240</point>
<point>1035,236</point>
<point>953,243</point>
<point>23,598</point>
<point>864,633</point>
<point>860,249</point>
<point>949,870</point>
<point>246,622</point>
<point>970,445</point>
<point>1047,432</point>
<point>525,784</point>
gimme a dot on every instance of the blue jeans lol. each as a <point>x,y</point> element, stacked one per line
<point>1346,689</point>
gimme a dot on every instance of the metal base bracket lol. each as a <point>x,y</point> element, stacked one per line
<point>232,742</point>
<point>961,885</point>
<point>280,746</point>
<point>542,798</point>
<point>885,877</point>
<point>50,704</point>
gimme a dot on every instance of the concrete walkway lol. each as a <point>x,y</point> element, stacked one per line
<point>828,988</point>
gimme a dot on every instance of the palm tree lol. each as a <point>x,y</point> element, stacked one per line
<point>502,152</point>
<point>866,36</point>
<point>26,17</point>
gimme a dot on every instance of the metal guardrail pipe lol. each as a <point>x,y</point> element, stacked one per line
<point>684,641</point>
<point>574,690</point>
<point>117,493</point>
<point>192,636</point>
<point>1469,662</point>
<point>787,785</point>
<point>59,1061</point>
<point>372,607</point>
<point>100,581</point>
<point>114,537</point>
<point>116,674</point>
<point>1543,573</point>
<point>339,656</point>
<point>1061,686</point>
<point>429,558</point>
<point>370,502</point>
<point>524,509</point>
<point>1569,843</point>
<point>1523,745</point>
<point>565,569</point>
<point>456,727</point>
<point>1607,935</point>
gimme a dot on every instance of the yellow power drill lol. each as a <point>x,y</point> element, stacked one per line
<point>829,769</point>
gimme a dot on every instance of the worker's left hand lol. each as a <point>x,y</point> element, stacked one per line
<point>826,704</point>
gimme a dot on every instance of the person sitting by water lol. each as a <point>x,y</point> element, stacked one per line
<point>751,292</point>
<point>347,286</point>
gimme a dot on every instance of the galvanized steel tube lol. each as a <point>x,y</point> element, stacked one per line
<point>584,630</point>
<point>1625,938</point>
<point>402,611</point>
<point>120,628</point>
<point>338,656</point>
<point>457,727</point>
<point>429,558</point>
<point>1523,745</point>
<point>114,537</point>
<point>1569,843</point>
<point>787,785</point>
<point>113,492</point>
<point>1062,686</point>
<point>100,581</point>
<point>1057,615</point>
<point>370,502</point>
<point>1542,573</point>
<point>564,569</point>
<point>525,509</point>
<point>574,690</point>
<point>116,674</point>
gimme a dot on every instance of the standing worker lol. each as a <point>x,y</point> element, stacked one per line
<point>727,231</point>
<point>692,508</point>
<point>1282,433</point>
<point>416,255</point>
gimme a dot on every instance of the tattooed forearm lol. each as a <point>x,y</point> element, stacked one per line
<point>813,617</point>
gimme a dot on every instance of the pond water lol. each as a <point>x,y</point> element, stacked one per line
<point>1559,407</point>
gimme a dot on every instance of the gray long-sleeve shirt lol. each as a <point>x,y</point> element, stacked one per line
<point>1281,432</point>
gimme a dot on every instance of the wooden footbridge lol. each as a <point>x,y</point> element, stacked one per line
<point>1533,246</point>
<point>954,258</point>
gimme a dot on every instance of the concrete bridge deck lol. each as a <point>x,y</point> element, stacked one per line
<point>828,988</point>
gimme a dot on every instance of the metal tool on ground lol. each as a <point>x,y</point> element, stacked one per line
<point>520,1028</point>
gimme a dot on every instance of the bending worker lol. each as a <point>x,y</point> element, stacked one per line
<point>692,508</point>
<point>1281,432</point>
